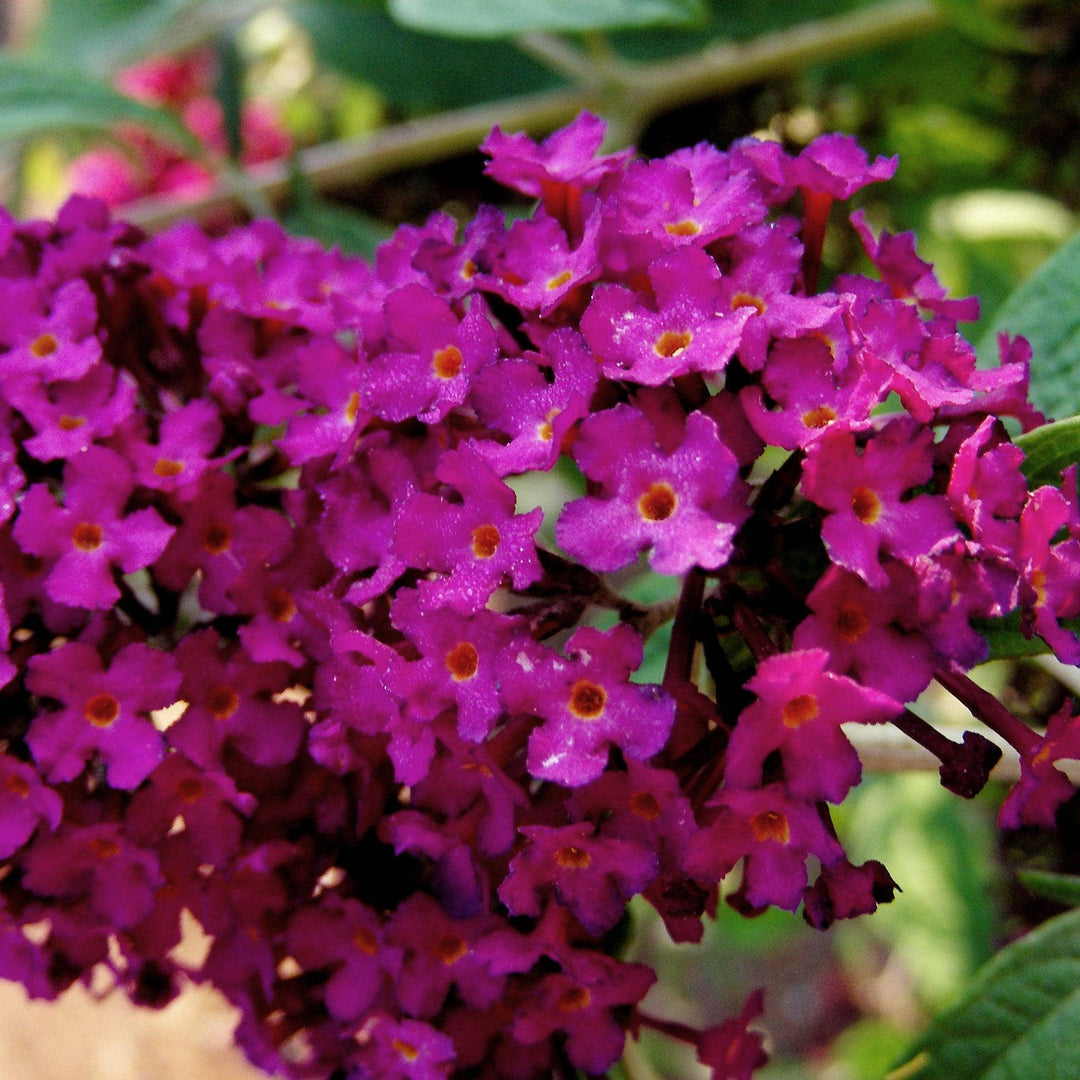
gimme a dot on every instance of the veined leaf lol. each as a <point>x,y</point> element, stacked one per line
<point>1046,310</point>
<point>1019,1017</point>
<point>38,100</point>
<point>500,18</point>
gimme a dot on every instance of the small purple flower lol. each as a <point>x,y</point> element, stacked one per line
<point>865,493</point>
<point>475,543</point>
<point>90,534</point>
<point>683,333</point>
<point>799,709</point>
<point>25,803</point>
<point>587,702</point>
<point>684,507</point>
<point>104,711</point>
<point>1043,787</point>
<point>430,355</point>
<point>592,875</point>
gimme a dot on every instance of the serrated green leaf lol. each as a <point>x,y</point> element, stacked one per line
<point>1049,449</point>
<point>1046,310</point>
<point>504,18</point>
<point>38,100</point>
<point>1019,1018</point>
<point>1063,888</point>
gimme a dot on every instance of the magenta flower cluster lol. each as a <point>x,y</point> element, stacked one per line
<point>280,651</point>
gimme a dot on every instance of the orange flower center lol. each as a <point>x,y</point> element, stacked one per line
<point>43,346</point>
<point>866,505</point>
<point>365,941</point>
<point>799,710</point>
<point>447,362</point>
<point>574,999</point>
<point>770,825</point>
<point>190,790</point>
<point>222,701</point>
<point>104,848</point>
<point>102,710</point>
<point>658,503</point>
<point>281,605</point>
<point>462,661</point>
<point>86,536</point>
<point>851,622</point>
<point>587,699</point>
<point>485,541</point>
<point>672,342</point>
<point>216,538</point>
<point>686,227</point>
<point>450,948</point>
<point>167,468</point>
<point>573,858</point>
<point>818,417</point>
<point>645,805</point>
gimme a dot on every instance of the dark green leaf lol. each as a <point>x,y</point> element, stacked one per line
<point>229,91</point>
<point>1019,1018</point>
<point>413,71</point>
<point>979,21</point>
<point>504,18</point>
<point>1064,888</point>
<point>308,214</point>
<point>1049,449</point>
<point>37,100</point>
<point>1046,310</point>
<point>1006,640</point>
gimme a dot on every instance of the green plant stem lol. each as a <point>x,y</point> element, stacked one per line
<point>636,91</point>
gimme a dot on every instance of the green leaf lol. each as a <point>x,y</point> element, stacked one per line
<point>1046,310</point>
<point>309,214</point>
<point>1006,639</point>
<point>1019,1018</point>
<point>102,36</point>
<point>1049,449</point>
<point>37,100</point>
<point>417,72</point>
<point>1063,888</point>
<point>503,18</point>
<point>979,21</point>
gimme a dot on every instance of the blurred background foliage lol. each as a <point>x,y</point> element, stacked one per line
<point>347,118</point>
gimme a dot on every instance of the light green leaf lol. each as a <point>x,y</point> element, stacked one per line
<point>1049,449</point>
<point>981,22</point>
<point>37,100</point>
<point>1064,888</point>
<point>1019,1018</point>
<point>1046,310</point>
<point>501,18</point>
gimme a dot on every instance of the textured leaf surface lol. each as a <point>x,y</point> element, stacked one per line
<point>1018,1021</point>
<point>1046,310</point>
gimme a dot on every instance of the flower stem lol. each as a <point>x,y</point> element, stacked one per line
<point>641,90</point>
<point>990,711</point>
